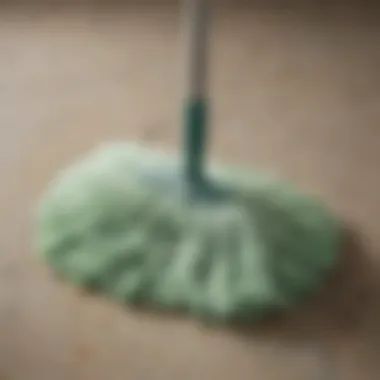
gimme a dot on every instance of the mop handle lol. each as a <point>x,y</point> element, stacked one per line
<point>196,16</point>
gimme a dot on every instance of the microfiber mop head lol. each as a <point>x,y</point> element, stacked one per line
<point>122,222</point>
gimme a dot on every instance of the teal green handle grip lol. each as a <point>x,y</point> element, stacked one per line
<point>195,140</point>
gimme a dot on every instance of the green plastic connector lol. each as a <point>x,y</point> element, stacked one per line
<point>195,140</point>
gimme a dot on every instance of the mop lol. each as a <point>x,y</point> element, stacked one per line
<point>170,232</point>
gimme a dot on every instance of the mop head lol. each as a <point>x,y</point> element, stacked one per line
<point>121,222</point>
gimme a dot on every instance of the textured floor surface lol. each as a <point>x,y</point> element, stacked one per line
<point>298,94</point>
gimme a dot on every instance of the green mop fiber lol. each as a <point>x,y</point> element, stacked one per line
<point>148,228</point>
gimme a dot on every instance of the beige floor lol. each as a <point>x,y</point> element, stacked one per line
<point>293,93</point>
